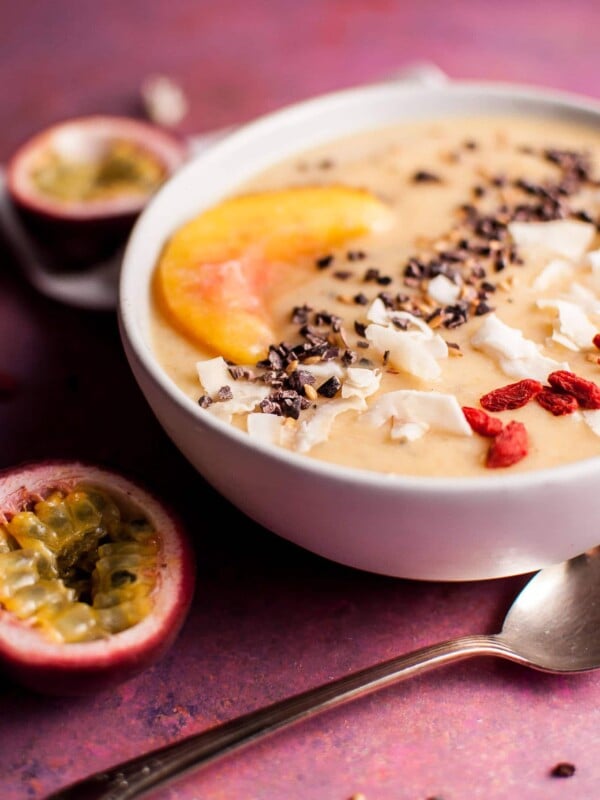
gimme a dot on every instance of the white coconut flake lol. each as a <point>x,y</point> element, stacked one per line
<point>442,290</point>
<point>433,409</point>
<point>572,328</point>
<point>516,356</point>
<point>265,427</point>
<point>378,313</point>
<point>554,272</point>
<point>214,374</point>
<point>414,350</point>
<point>316,429</point>
<point>408,431</point>
<point>405,352</point>
<point>567,238</point>
<point>584,298</point>
<point>361,382</point>
<point>592,418</point>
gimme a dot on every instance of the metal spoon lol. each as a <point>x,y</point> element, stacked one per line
<point>552,626</point>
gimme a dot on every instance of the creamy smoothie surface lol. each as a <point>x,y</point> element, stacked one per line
<point>362,303</point>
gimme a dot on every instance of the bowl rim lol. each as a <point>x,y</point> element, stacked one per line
<point>133,337</point>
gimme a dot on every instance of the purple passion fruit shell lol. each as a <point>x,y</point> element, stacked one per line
<point>96,577</point>
<point>78,186</point>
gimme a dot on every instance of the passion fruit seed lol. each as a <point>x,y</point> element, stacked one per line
<point>124,168</point>
<point>73,567</point>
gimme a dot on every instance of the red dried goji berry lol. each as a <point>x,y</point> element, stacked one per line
<point>596,341</point>
<point>586,392</point>
<point>481,422</point>
<point>557,403</point>
<point>510,446</point>
<point>514,395</point>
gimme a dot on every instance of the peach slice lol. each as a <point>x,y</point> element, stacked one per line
<point>218,272</point>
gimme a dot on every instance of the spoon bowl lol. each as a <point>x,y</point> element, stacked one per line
<point>554,623</point>
<point>552,626</point>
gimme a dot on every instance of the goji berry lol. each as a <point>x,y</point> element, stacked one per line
<point>557,403</point>
<point>481,422</point>
<point>586,392</point>
<point>509,446</point>
<point>596,341</point>
<point>514,395</point>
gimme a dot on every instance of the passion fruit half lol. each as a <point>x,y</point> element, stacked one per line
<point>96,577</point>
<point>78,186</point>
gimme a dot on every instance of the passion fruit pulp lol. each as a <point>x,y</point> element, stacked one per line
<point>78,186</point>
<point>96,577</point>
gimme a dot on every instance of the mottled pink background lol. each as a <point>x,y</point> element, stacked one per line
<point>269,619</point>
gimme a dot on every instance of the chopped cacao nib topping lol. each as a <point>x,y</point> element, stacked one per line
<point>204,401</point>
<point>455,315</point>
<point>425,176</point>
<point>284,403</point>
<point>299,379</point>
<point>361,299</point>
<point>355,255</point>
<point>343,274</point>
<point>362,344</point>
<point>300,314</point>
<point>237,373</point>
<point>482,308</point>
<point>387,299</point>
<point>470,144</point>
<point>324,261</point>
<point>360,328</point>
<point>330,388</point>
<point>225,393</point>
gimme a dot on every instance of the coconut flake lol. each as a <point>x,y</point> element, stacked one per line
<point>555,271</point>
<point>265,427</point>
<point>567,238</point>
<point>214,374</point>
<point>432,409</point>
<point>408,431</point>
<point>443,291</point>
<point>584,298</point>
<point>592,418</point>
<point>316,429</point>
<point>517,356</point>
<point>414,350</point>
<point>361,382</point>
<point>572,328</point>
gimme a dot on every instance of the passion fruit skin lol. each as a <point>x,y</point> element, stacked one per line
<point>72,236</point>
<point>73,669</point>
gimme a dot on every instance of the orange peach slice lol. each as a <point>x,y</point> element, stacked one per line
<point>217,273</point>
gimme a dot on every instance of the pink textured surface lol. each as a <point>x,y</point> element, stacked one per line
<point>269,619</point>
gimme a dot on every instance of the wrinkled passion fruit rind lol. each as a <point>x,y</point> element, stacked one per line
<point>33,655</point>
<point>73,233</point>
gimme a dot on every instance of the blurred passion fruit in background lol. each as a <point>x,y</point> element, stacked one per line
<point>78,186</point>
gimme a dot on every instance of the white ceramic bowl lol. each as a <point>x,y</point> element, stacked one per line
<point>421,528</point>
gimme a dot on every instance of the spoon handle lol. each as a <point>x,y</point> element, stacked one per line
<point>137,776</point>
